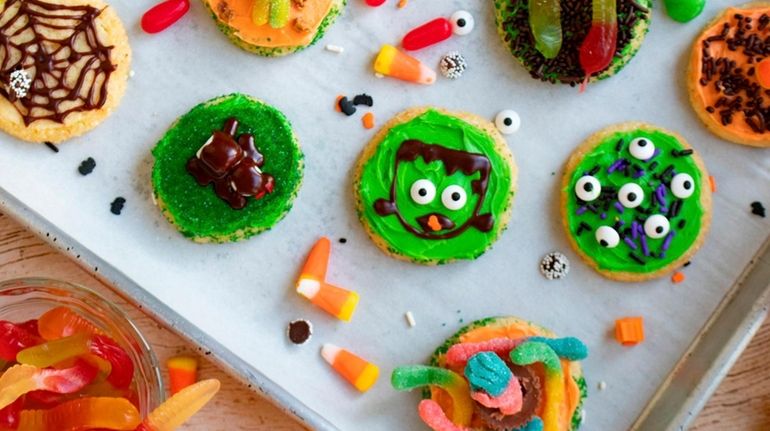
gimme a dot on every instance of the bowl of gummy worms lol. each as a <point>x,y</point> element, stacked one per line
<point>65,349</point>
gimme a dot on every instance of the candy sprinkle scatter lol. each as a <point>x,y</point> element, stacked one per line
<point>335,48</point>
<point>453,65</point>
<point>758,209</point>
<point>117,205</point>
<point>51,145</point>
<point>410,319</point>
<point>299,331</point>
<point>554,266</point>
<point>87,166</point>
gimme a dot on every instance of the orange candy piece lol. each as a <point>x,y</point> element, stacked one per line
<point>678,277</point>
<point>182,372</point>
<point>368,120</point>
<point>357,371</point>
<point>62,322</point>
<point>629,331</point>
<point>713,184</point>
<point>312,284</point>
<point>762,71</point>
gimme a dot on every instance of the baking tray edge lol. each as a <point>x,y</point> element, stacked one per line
<point>134,294</point>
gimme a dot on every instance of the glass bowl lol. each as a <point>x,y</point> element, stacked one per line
<point>28,298</point>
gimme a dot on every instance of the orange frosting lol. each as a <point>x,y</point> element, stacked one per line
<point>708,95</point>
<point>237,14</point>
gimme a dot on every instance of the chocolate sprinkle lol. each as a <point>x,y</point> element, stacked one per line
<point>636,258</point>
<point>299,331</point>
<point>87,166</point>
<point>343,240</point>
<point>576,16</point>
<point>758,209</point>
<point>117,205</point>
<point>51,145</point>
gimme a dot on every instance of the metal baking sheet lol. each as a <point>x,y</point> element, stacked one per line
<point>236,299</point>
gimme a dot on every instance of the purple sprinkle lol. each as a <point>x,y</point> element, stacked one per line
<point>619,207</point>
<point>616,165</point>
<point>667,241</point>
<point>645,248</point>
<point>662,255</point>
<point>655,154</point>
<point>663,208</point>
<point>581,210</point>
<point>635,229</point>
<point>630,242</point>
<point>621,222</point>
<point>603,216</point>
<point>639,173</point>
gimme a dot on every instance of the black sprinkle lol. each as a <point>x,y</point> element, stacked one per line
<point>363,99</point>
<point>681,224</point>
<point>677,153</point>
<point>117,205</point>
<point>87,166</point>
<point>583,226</point>
<point>346,106</point>
<point>688,263</point>
<point>593,171</point>
<point>619,145</point>
<point>636,258</point>
<point>343,240</point>
<point>51,145</point>
<point>653,165</point>
<point>758,209</point>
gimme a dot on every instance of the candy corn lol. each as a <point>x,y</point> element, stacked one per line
<point>336,301</point>
<point>392,62</point>
<point>359,372</point>
<point>629,331</point>
<point>182,372</point>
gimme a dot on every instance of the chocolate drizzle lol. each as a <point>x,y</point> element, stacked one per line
<point>453,160</point>
<point>59,47</point>
<point>233,166</point>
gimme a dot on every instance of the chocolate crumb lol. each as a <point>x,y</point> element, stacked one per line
<point>87,166</point>
<point>363,99</point>
<point>758,209</point>
<point>51,145</point>
<point>117,205</point>
<point>299,331</point>
<point>347,106</point>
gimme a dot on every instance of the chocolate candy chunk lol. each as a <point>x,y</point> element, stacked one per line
<point>363,99</point>
<point>117,205</point>
<point>87,166</point>
<point>347,106</point>
<point>299,331</point>
<point>758,209</point>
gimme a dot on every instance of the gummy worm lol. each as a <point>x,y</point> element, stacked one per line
<point>532,352</point>
<point>598,48</point>
<point>20,379</point>
<point>180,407</point>
<point>545,24</point>
<point>410,377</point>
<point>433,416</point>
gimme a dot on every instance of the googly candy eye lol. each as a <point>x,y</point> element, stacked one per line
<point>588,188</point>
<point>454,197</point>
<point>682,185</point>
<point>462,22</point>
<point>631,195</point>
<point>607,237</point>
<point>656,226</point>
<point>641,148</point>
<point>508,122</point>
<point>423,191</point>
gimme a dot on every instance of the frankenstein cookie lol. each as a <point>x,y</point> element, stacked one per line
<point>500,373</point>
<point>635,201</point>
<point>565,41</point>
<point>64,67</point>
<point>724,79</point>
<point>434,186</point>
<point>228,169</point>
<point>274,27</point>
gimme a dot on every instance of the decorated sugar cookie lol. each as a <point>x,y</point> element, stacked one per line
<point>64,67</point>
<point>434,186</point>
<point>729,75</point>
<point>228,169</point>
<point>636,201</point>
<point>576,42</point>
<point>274,27</point>
<point>500,373</point>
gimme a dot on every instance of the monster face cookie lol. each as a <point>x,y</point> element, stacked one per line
<point>434,186</point>
<point>63,68</point>
<point>500,373</point>
<point>572,42</point>
<point>729,75</point>
<point>274,27</point>
<point>636,201</point>
<point>227,170</point>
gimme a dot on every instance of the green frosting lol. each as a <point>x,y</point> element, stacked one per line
<point>686,225</point>
<point>377,175</point>
<point>196,210</point>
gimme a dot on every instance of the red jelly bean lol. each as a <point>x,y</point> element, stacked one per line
<point>375,3</point>
<point>13,339</point>
<point>428,34</point>
<point>163,15</point>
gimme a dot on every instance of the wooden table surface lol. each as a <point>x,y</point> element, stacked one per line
<point>742,402</point>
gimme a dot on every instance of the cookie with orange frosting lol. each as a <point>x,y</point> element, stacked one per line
<point>500,373</point>
<point>728,77</point>
<point>273,28</point>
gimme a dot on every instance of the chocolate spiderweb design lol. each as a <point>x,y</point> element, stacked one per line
<point>59,47</point>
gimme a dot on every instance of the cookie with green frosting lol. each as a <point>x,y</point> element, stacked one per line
<point>501,373</point>
<point>513,24</point>
<point>635,201</point>
<point>434,186</point>
<point>241,190</point>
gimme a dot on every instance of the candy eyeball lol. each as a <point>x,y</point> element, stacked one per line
<point>423,191</point>
<point>656,226</point>
<point>462,22</point>
<point>588,188</point>
<point>682,185</point>
<point>454,197</point>
<point>607,237</point>
<point>631,195</point>
<point>508,122</point>
<point>641,148</point>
